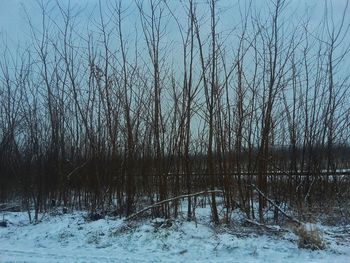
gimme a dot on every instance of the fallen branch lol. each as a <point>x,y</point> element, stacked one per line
<point>277,206</point>
<point>272,228</point>
<point>10,208</point>
<point>170,200</point>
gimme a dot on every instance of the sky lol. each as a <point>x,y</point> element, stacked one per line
<point>15,33</point>
<point>14,14</point>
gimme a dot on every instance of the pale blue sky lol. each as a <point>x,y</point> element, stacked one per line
<point>14,24</point>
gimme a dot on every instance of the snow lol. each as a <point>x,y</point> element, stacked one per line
<point>71,238</point>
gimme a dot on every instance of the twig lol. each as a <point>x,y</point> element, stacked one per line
<point>170,200</point>
<point>309,190</point>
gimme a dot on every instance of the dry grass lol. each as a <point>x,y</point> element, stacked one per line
<point>310,238</point>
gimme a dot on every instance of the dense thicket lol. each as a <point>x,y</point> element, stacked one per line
<point>111,117</point>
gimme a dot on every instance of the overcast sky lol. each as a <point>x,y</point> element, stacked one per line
<point>14,28</point>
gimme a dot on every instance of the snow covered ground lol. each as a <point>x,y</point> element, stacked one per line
<point>71,238</point>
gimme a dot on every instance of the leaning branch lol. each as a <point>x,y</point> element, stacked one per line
<point>275,205</point>
<point>170,200</point>
<point>76,169</point>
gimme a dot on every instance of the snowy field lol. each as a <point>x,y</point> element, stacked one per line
<point>72,238</point>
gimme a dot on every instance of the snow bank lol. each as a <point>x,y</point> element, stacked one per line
<point>70,238</point>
